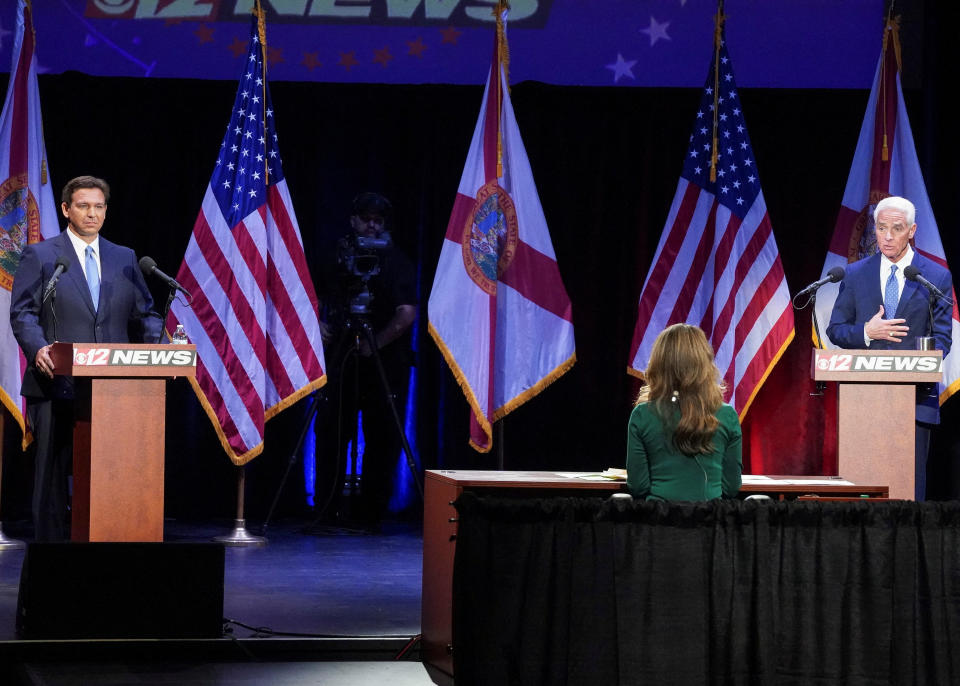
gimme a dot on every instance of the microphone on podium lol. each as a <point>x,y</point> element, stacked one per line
<point>912,273</point>
<point>834,275</point>
<point>149,268</point>
<point>62,265</point>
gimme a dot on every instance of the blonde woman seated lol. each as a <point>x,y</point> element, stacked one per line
<point>683,442</point>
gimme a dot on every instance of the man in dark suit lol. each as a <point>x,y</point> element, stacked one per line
<point>101,297</point>
<point>878,308</point>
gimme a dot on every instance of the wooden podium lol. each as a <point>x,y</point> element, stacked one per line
<point>876,411</point>
<point>118,435</point>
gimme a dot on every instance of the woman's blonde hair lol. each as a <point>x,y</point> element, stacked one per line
<point>682,373</point>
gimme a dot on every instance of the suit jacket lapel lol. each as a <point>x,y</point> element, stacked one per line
<point>109,270</point>
<point>911,289</point>
<point>876,292</point>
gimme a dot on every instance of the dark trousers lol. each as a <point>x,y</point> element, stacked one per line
<point>51,422</point>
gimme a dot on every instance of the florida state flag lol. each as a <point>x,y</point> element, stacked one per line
<point>498,309</point>
<point>885,163</point>
<point>28,212</point>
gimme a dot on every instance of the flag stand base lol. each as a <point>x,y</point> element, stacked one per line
<point>9,543</point>
<point>239,536</point>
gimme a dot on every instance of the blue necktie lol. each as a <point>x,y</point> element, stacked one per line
<point>891,294</point>
<point>93,277</point>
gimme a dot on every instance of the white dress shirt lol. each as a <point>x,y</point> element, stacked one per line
<point>885,265</point>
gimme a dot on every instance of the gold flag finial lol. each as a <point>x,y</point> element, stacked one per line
<point>891,37</point>
<point>33,29</point>
<point>503,62</point>
<point>503,47</point>
<point>33,33</point>
<point>717,42</point>
<point>262,34</point>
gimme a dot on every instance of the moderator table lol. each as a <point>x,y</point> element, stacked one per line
<point>443,487</point>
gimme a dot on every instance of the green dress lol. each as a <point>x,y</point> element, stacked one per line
<point>656,469</point>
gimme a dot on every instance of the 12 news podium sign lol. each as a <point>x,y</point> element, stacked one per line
<point>871,365</point>
<point>167,356</point>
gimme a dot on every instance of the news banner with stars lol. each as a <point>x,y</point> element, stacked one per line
<point>563,42</point>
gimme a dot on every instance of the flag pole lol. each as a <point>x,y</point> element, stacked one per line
<point>891,34</point>
<point>5,543</point>
<point>503,64</point>
<point>262,32</point>
<point>240,536</point>
<point>43,158</point>
<point>717,40</point>
<point>501,457</point>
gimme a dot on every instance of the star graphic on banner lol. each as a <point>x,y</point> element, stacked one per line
<point>310,60</point>
<point>656,31</point>
<point>621,68</point>
<point>348,60</point>
<point>450,35</point>
<point>382,56</point>
<point>238,47</point>
<point>274,56</point>
<point>416,47</point>
<point>204,34</point>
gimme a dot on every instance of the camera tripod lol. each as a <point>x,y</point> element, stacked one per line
<point>357,329</point>
<point>357,326</point>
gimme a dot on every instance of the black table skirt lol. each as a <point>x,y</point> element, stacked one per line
<point>600,592</point>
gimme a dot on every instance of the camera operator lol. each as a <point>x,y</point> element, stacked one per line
<point>376,286</point>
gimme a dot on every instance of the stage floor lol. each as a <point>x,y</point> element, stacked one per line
<point>331,606</point>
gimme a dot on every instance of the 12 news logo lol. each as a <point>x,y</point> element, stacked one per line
<point>847,362</point>
<point>133,357</point>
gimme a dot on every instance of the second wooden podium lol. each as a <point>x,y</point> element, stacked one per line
<point>119,434</point>
<point>876,412</point>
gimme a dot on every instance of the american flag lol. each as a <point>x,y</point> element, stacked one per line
<point>717,265</point>
<point>254,312</point>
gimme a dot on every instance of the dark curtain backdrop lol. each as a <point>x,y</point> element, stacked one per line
<point>606,162</point>
<point>599,591</point>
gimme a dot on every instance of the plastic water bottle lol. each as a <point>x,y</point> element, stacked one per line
<point>179,335</point>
